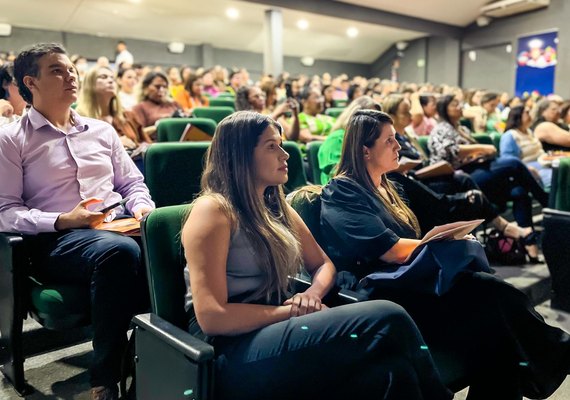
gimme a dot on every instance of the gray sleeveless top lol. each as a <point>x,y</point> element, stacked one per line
<point>243,272</point>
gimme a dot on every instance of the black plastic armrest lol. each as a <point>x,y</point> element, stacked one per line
<point>556,213</point>
<point>336,297</point>
<point>351,297</point>
<point>192,347</point>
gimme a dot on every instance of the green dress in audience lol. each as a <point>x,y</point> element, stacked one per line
<point>319,124</point>
<point>329,155</point>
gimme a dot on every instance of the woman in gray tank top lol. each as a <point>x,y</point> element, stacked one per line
<point>241,242</point>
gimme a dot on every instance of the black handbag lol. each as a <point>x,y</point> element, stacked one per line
<point>504,250</point>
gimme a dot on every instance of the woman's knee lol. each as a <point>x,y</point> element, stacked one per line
<point>388,317</point>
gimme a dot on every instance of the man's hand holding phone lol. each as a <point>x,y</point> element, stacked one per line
<point>82,217</point>
<point>105,210</point>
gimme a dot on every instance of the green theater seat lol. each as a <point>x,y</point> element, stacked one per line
<point>215,113</point>
<point>171,129</point>
<point>173,171</point>
<point>54,306</point>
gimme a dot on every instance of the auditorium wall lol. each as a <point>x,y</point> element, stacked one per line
<point>156,53</point>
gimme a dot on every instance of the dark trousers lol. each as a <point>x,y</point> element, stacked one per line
<point>509,179</point>
<point>369,350</point>
<point>109,265</point>
<point>505,344</point>
<point>433,208</point>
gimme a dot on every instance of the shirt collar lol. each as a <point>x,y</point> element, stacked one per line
<point>38,121</point>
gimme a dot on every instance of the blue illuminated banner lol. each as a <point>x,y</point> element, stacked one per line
<point>536,64</point>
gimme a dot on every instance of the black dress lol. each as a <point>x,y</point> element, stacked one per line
<point>507,347</point>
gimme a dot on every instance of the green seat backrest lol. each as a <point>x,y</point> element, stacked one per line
<point>297,176</point>
<point>215,113</point>
<point>423,140</point>
<point>466,123</point>
<point>334,111</point>
<point>496,138</point>
<point>223,102</point>
<point>313,159</point>
<point>171,129</point>
<point>562,192</point>
<point>307,202</point>
<point>483,138</point>
<point>165,263</point>
<point>225,95</point>
<point>173,171</point>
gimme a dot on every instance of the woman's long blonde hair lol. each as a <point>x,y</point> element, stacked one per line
<point>363,129</point>
<point>87,103</point>
<point>229,177</point>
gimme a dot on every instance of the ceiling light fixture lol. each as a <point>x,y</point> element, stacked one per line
<point>232,13</point>
<point>303,24</point>
<point>352,32</point>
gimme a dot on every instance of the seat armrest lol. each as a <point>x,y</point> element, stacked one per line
<point>192,347</point>
<point>349,296</point>
<point>556,213</point>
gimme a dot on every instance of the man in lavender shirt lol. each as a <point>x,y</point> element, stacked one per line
<point>55,168</point>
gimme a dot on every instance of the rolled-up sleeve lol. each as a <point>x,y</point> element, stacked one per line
<point>353,223</point>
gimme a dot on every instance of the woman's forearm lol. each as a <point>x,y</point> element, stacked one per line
<point>238,318</point>
<point>400,251</point>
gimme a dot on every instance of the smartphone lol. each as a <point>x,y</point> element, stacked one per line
<point>288,90</point>
<point>112,206</point>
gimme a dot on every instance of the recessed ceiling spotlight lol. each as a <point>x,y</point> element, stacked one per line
<point>232,13</point>
<point>135,1</point>
<point>303,24</point>
<point>352,32</point>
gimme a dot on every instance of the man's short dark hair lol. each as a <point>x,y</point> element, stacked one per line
<point>26,64</point>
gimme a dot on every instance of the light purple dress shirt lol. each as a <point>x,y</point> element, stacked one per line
<point>45,171</point>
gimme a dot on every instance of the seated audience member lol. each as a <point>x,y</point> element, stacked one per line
<point>491,121</point>
<point>209,84</point>
<point>547,127</point>
<point>565,113</point>
<point>423,112</point>
<point>242,241</point>
<point>433,208</point>
<point>155,103</point>
<point>330,150</point>
<point>192,97</point>
<point>12,105</point>
<point>98,99</point>
<point>176,84</point>
<point>220,78</point>
<point>512,102</point>
<point>252,98</point>
<point>354,92</point>
<point>127,79</point>
<point>327,92</point>
<point>518,141</point>
<point>235,82</point>
<point>505,345</point>
<point>314,125</point>
<point>58,167</point>
<point>501,179</point>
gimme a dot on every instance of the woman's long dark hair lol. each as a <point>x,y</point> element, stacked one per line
<point>515,118</point>
<point>229,177</point>
<point>442,104</point>
<point>363,129</point>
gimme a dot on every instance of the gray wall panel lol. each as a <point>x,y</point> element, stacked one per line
<point>492,69</point>
<point>506,30</point>
<point>443,60</point>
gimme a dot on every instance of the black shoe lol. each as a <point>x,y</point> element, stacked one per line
<point>531,238</point>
